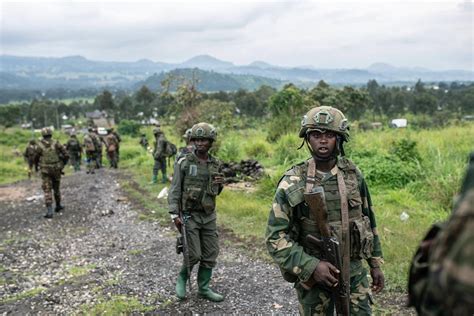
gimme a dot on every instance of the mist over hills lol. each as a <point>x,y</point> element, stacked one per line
<point>76,72</point>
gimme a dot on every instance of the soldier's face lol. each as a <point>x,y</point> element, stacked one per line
<point>323,144</point>
<point>202,145</point>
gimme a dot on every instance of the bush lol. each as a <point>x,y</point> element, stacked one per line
<point>286,152</point>
<point>257,149</point>
<point>229,149</point>
<point>406,150</point>
<point>128,127</point>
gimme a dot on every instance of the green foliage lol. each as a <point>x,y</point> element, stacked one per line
<point>286,152</point>
<point>218,112</point>
<point>229,148</point>
<point>116,305</point>
<point>405,149</point>
<point>128,127</point>
<point>257,149</point>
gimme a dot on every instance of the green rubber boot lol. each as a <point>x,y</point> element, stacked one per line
<point>181,283</point>
<point>164,179</point>
<point>154,180</point>
<point>204,277</point>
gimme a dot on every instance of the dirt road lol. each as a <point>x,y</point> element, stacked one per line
<point>97,255</point>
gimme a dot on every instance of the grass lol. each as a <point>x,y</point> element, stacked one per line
<point>20,296</point>
<point>116,305</point>
<point>426,199</point>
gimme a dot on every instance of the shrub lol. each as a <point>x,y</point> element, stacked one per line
<point>129,127</point>
<point>257,149</point>
<point>286,152</point>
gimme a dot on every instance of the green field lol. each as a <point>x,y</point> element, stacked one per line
<point>416,172</point>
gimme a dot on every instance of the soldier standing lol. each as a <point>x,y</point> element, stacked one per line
<point>189,148</point>
<point>52,158</point>
<point>119,140</point>
<point>111,145</point>
<point>74,148</point>
<point>159,155</point>
<point>91,150</point>
<point>143,141</point>
<point>192,199</point>
<point>31,156</point>
<point>347,216</point>
<point>441,278</point>
<point>98,147</point>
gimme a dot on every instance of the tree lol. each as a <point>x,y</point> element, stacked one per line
<point>104,101</point>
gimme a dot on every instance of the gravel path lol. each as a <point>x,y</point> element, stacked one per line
<point>97,250</point>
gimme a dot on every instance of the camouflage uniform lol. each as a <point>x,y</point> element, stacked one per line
<point>192,188</point>
<point>52,158</point>
<point>112,145</point>
<point>189,148</point>
<point>98,141</point>
<point>119,140</point>
<point>158,155</point>
<point>31,156</point>
<point>74,147</point>
<point>90,146</point>
<point>290,222</point>
<point>442,273</point>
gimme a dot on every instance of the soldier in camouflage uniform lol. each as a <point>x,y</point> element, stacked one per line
<point>441,278</point>
<point>347,197</point>
<point>90,147</point>
<point>111,145</point>
<point>31,156</point>
<point>158,155</point>
<point>98,141</point>
<point>52,158</point>
<point>119,140</point>
<point>74,148</point>
<point>144,142</point>
<point>196,183</point>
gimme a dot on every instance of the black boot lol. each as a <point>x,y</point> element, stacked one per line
<point>58,208</point>
<point>49,212</point>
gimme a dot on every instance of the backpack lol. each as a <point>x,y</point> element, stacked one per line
<point>50,156</point>
<point>169,149</point>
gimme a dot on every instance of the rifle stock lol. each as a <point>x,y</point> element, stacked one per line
<point>329,247</point>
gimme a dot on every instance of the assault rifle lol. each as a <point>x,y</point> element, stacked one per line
<point>329,247</point>
<point>184,244</point>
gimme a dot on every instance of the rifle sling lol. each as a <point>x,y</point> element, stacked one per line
<point>345,228</point>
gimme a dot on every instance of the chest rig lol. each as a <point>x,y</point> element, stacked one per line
<point>198,191</point>
<point>49,155</point>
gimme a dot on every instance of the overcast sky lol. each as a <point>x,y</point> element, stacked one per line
<point>325,34</point>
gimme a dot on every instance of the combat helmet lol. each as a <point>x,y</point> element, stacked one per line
<point>204,131</point>
<point>187,134</point>
<point>46,131</point>
<point>325,118</point>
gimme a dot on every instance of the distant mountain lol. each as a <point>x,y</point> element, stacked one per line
<point>210,81</point>
<point>76,72</point>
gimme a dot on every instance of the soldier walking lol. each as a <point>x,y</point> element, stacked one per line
<point>119,140</point>
<point>90,146</point>
<point>344,219</point>
<point>159,155</point>
<point>143,141</point>
<point>74,148</point>
<point>192,201</point>
<point>111,145</point>
<point>52,158</point>
<point>98,141</point>
<point>31,156</point>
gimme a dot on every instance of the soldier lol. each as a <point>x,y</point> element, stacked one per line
<point>119,140</point>
<point>189,148</point>
<point>31,156</point>
<point>90,146</point>
<point>111,145</point>
<point>159,155</point>
<point>346,214</point>
<point>196,183</point>
<point>52,158</point>
<point>144,142</point>
<point>74,148</point>
<point>441,278</point>
<point>98,141</point>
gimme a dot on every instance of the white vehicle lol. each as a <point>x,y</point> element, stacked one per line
<point>399,123</point>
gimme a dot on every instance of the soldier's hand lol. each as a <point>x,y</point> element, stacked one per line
<point>177,222</point>
<point>326,274</point>
<point>378,280</point>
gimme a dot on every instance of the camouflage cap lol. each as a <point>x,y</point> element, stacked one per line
<point>46,131</point>
<point>325,118</point>
<point>204,131</point>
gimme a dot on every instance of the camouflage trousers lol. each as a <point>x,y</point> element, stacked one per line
<point>51,183</point>
<point>160,164</point>
<point>113,158</point>
<point>91,161</point>
<point>318,301</point>
<point>202,239</point>
<point>98,159</point>
<point>75,161</point>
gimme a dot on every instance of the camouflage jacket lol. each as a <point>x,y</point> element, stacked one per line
<point>73,146</point>
<point>31,152</point>
<point>192,187</point>
<point>289,213</point>
<point>111,142</point>
<point>52,155</point>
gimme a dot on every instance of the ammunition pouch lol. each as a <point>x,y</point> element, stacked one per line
<point>362,238</point>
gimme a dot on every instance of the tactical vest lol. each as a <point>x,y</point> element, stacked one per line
<point>361,236</point>
<point>89,143</point>
<point>50,156</point>
<point>198,192</point>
